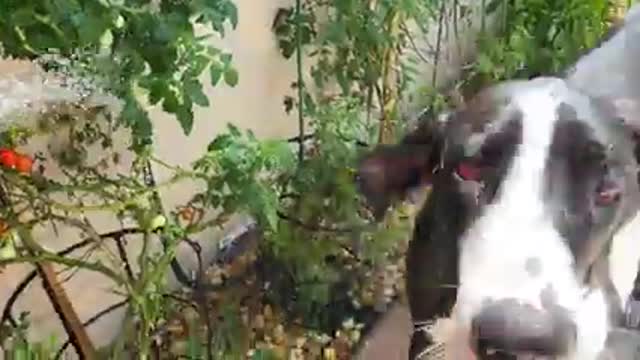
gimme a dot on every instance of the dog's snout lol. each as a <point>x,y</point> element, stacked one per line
<point>510,327</point>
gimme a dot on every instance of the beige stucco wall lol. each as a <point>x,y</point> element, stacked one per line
<point>256,103</point>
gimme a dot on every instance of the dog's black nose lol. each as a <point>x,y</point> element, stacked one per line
<point>510,327</point>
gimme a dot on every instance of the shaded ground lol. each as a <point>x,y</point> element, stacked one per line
<point>390,339</point>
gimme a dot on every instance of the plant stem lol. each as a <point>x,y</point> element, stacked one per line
<point>301,130</point>
<point>483,6</point>
<point>389,78</point>
<point>436,60</point>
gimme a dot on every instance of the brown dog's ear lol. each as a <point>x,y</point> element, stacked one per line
<point>389,172</point>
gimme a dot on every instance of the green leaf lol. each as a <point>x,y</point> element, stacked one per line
<point>220,142</point>
<point>185,118</point>
<point>198,64</point>
<point>279,154</point>
<point>171,102</point>
<point>287,48</point>
<point>309,104</point>
<point>193,88</point>
<point>23,16</point>
<point>226,59</point>
<point>138,119</point>
<point>92,29</point>
<point>215,73</point>
<point>271,215</point>
<point>231,77</point>
<point>232,12</point>
<point>157,91</point>
<point>484,64</point>
<point>233,130</point>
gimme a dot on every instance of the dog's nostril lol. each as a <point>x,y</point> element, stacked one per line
<point>511,327</point>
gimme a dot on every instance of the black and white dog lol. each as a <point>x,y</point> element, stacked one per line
<point>522,241</point>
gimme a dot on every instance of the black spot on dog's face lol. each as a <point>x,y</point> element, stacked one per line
<point>584,173</point>
<point>584,182</point>
<point>480,165</point>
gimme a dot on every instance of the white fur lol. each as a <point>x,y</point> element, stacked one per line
<point>624,257</point>
<point>515,228</point>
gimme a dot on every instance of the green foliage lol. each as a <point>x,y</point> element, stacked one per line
<point>127,45</point>
<point>241,174</point>
<point>20,347</point>
<point>353,46</point>
<point>537,37</point>
<point>320,214</point>
<point>347,41</point>
<point>311,214</point>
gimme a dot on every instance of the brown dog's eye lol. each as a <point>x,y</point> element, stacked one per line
<point>608,193</point>
<point>469,171</point>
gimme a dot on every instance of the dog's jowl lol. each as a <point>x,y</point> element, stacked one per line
<point>532,182</point>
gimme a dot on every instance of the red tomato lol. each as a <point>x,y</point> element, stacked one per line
<point>8,158</point>
<point>23,163</point>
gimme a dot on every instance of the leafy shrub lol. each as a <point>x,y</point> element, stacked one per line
<point>537,37</point>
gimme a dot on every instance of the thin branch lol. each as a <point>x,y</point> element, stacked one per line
<point>308,137</point>
<point>299,138</point>
<point>436,62</point>
<point>409,36</point>
<point>54,258</point>
<point>300,80</point>
<point>6,313</point>
<point>289,196</point>
<point>92,320</point>
<point>180,300</point>
<point>123,257</point>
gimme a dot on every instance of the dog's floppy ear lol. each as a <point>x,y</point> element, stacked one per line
<point>390,172</point>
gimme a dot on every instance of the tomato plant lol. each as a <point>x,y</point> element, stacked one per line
<point>537,38</point>
<point>116,42</point>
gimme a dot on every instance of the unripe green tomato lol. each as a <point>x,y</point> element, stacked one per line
<point>157,222</point>
<point>7,250</point>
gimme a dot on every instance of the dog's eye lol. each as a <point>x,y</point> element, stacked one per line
<point>608,193</point>
<point>468,171</point>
